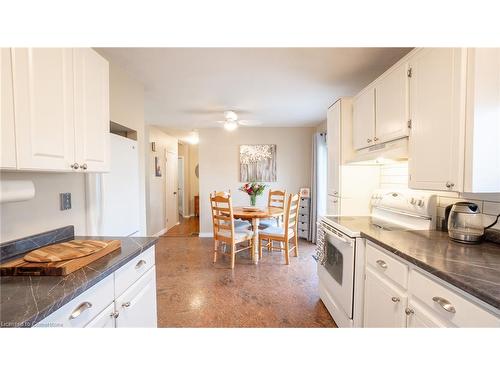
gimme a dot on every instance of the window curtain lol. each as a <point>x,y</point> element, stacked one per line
<point>318,183</point>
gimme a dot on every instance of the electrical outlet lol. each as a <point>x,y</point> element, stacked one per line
<point>65,199</point>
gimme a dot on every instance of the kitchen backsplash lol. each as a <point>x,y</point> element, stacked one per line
<point>396,176</point>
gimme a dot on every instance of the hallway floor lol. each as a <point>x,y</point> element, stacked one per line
<point>187,227</point>
<point>194,292</point>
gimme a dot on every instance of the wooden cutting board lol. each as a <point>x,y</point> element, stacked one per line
<point>93,249</point>
<point>65,251</point>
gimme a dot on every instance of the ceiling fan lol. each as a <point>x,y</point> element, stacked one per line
<point>231,121</point>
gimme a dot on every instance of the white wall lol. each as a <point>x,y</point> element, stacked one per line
<point>126,101</point>
<point>219,163</point>
<point>194,182</point>
<point>42,213</point>
<point>156,186</point>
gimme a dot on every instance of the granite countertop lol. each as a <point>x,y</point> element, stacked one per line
<point>26,300</point>
<point>472,268</point>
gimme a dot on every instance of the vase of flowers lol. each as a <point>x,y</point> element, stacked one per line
<point>253,189</point>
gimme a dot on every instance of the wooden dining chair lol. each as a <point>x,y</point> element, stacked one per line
<point>238,223</point>
<point>283,235</point>
<point>224,229</point>
<point>276,198</point>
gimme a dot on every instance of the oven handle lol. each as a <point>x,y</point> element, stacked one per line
<point>337,236</point>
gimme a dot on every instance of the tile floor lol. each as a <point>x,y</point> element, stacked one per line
<point>194,292</point>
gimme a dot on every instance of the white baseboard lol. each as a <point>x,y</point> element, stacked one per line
<point>160,233</point>
<point>206,234</point>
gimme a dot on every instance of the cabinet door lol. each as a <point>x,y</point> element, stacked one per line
<point>332,205</point>
<point>43,96</point>
<point>91,110</point>
<point>420,318</point>
<point>137,305</point>
<point>8,140</point>
<point>105,319</point>
<point>334,149</point>
<point>363,120</point>
<point>437,111</point>
<point>384,304</point>
<point>391,105</point>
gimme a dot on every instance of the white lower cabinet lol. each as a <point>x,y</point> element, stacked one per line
<point>115,301</point>
<point>384,304</point>
<point>106,319</point>
<point>137,306</point>
<point>413,299</point>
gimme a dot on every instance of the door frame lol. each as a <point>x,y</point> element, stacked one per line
<point>168,197</point>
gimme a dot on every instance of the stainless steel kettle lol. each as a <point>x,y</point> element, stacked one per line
<point>465,222</point>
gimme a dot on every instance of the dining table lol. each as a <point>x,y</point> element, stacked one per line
<point>255,215</point>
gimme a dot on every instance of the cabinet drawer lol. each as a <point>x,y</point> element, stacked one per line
<point>303,225</point>
<point>83,308</point>
<point>303,217</point>
<point>387,265</point>
<point>303,233</point>
<point>449,305</point>
<point>133,270</point>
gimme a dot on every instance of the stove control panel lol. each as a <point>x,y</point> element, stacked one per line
<point>407,201</point>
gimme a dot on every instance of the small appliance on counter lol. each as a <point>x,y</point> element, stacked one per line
<point>465,222</point>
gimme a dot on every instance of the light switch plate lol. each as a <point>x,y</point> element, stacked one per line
<point>65,199</point>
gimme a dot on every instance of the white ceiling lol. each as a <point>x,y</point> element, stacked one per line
<point>189,88</point>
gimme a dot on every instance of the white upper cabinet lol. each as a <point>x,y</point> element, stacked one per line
<point>391,104</point>
<point>8,136</point>
<point>482,148</point>
<point>55,110</point>
<point>91,110</point>
<point>363,126</point>
<point>437,113</point>
<point>44,117</point>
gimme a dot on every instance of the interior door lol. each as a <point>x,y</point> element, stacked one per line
<point>180,189</point>
<point>44,112</point>
<point>391,105</point>
<point>437,95</point>
<point>171,177</point>
<point>333,145</point>
<point>363,119</point>
<point>91,110</point>
<point>8,136</point>
<point>384,305</point>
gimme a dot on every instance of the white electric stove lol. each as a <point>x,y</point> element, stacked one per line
<point>341,249</point>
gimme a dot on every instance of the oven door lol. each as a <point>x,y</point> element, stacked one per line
<point>337,268</point>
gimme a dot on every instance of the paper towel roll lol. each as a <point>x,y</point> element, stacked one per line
<point>16,191</point>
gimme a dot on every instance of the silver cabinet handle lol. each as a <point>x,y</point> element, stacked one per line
<point>81,308</point>
<point>126,304</point>
<point>449,184</point>
<point>140,263</point>
<point>75,166</point>
<point>369,140</point>
<point>445,304</point>
<point>382,264</point>
<point>395,299</point>
<point>84,167</point>
<point>409,311</point>
<point>335,193</point>
<point>375,139</point>
<point>115,314</point>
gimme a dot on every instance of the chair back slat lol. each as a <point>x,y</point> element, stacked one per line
<point>276,198</point>
<point>222,213</point>
<point>292,213</point>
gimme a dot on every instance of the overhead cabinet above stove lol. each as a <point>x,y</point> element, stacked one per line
<point>56,102</point>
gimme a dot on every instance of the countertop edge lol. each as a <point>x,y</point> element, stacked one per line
<point>40,315</point>
<point>446,277</point>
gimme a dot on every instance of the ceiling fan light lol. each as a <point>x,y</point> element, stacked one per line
<point>230,125</point>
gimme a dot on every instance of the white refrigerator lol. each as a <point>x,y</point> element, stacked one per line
<point>113,198</point>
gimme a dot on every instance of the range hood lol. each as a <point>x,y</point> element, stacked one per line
<point>382,153</point>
